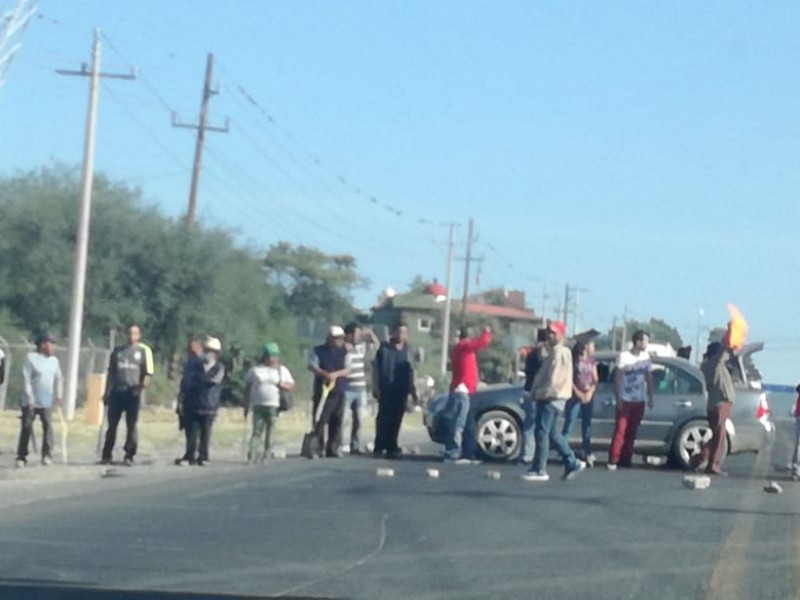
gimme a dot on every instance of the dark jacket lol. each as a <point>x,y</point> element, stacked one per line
<point>203,389</point>
<point>394,370</point>
<point>331,358</point>
<point>718,379</point>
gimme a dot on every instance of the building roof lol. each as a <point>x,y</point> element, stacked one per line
<point>429,303</point>
<point>506,312</point>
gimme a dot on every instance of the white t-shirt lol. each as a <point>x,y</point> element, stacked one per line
<point>264,381</point>
<point>633,370</point>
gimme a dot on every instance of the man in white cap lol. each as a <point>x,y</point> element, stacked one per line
<point>330,365</point>
<point>201,402</point>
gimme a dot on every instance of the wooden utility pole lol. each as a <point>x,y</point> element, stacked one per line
<point>448,301</point>
<point>84,223</point>
<point>466,273</point>
<point>202,126</point>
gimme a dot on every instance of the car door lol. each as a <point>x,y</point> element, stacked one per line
<point>677,394</point>
<point>604,404</point>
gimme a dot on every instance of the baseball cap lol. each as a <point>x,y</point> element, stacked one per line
<point>271,349</point>
<point>558,327</point>
<point>42,338</point>
<point>336,331</point>
<point>213,344</point>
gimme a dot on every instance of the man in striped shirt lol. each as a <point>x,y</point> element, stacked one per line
<point>356,392</point>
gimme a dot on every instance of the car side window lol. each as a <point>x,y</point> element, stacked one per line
<point>605,376</point>
<point>672,381</point>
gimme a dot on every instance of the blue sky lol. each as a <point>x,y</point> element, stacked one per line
<point>644,151</point>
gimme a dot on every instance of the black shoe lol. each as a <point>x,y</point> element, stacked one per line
<point>128,462</point>
<point>336,454</point>
<point>355,451</point>
<point>104,461</point>
<point>377,454</point>
<point>394,454</point>
<point>203,463</point>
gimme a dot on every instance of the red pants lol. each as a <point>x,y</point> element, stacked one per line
<point>712,451</point>
<point>627,424</point>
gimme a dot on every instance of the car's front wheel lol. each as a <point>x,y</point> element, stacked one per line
<point>690,441</point>
<point>499,435</point>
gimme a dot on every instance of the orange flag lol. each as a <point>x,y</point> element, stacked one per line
<point>737,329</point>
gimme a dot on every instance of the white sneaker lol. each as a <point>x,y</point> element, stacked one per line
<point>611,467</point>
<point>20,463</point>
<point>457,461</point>
<point>579,468</point>
<point>47,461</point>
<point>590,461</point>
<point>534,476</point>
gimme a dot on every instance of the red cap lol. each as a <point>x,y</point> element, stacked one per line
<point>558,327</point>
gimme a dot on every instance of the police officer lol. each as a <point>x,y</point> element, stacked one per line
<point>129,371</point>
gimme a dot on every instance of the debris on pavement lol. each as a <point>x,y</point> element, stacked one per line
<point>773,488</point>
<point>384,472</point>
<point>433,473</point>
<point>697,482</point>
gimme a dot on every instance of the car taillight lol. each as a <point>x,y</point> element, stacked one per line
<point>762,411</point>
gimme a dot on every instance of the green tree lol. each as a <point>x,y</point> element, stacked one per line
<point>315,285</point>
<point>142,266</point>
<point>660,332</point>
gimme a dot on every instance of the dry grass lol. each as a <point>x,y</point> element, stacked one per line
<point>159,435</point>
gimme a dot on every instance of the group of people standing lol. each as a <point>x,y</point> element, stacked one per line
<point>340,387</point>
<point>559,381</point>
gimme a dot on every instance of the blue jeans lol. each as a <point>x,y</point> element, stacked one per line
<point>527,445</point>
<point>354,415</point>
<point>574,407</point>
<point>460,440</point>
<point>546,433</point>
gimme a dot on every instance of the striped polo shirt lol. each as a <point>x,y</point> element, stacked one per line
<point>357,378</point>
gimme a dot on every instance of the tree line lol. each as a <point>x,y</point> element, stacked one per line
<point>146,267</point>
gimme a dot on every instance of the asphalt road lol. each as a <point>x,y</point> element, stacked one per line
<point>332,528</point>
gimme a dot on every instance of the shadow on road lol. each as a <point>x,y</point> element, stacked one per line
<point>20,589</point>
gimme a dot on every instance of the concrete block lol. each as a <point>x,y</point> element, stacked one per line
<point>655,461</point>
<point>433,473</point>
<point>697,482</point>
<point>384,472</point>
<point>773,488</point>
<point>493,474</point>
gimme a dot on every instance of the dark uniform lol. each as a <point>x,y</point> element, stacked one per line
<point>201,402</point>
<point>330,358</point>
<point>394,374</point>
<point>127,370</point>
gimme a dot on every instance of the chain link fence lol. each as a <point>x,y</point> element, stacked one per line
<point>93,360</point>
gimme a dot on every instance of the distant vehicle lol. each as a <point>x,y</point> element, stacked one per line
<point>676,427</point>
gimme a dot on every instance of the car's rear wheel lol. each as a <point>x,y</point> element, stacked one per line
<point>690,441</point>
<point>499,435</point>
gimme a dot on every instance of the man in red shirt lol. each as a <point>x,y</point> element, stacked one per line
<point>460,447</point>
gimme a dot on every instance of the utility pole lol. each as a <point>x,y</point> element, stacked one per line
<point>201,127</point>
<point>545,297</point>
<point>565,309</point>
<point>614,334</point>
<point>468,260</point>
<point>448,301</point>
<point>84,222</point>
